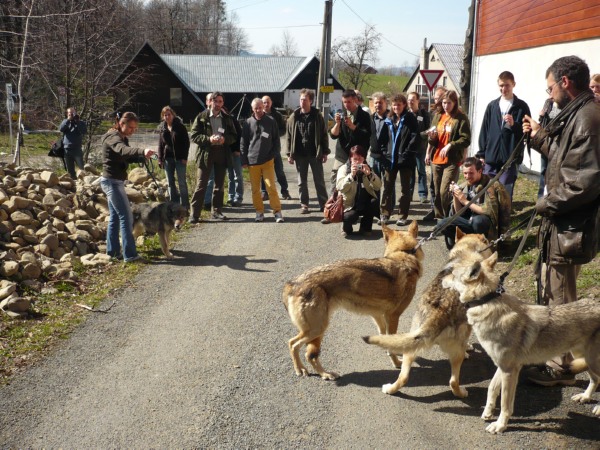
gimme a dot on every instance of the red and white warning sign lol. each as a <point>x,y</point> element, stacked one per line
<point>431,77</point>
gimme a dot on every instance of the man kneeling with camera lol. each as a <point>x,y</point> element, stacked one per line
<point>359,186</point>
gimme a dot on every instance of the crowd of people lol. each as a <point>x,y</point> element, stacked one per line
<point>372,150</point>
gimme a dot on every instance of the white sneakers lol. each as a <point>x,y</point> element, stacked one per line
<point>260,217</point>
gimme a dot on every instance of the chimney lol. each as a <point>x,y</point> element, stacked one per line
<point>424,60</point>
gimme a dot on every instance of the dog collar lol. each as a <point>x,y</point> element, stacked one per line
<point>483,300</point>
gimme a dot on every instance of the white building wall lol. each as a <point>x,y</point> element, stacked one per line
<point>291,99</point>
<point>529,68</point>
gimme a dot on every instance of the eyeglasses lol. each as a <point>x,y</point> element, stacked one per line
<point>549,90</point>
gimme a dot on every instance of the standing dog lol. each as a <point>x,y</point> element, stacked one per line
<point>379,287</point>
<point>158,218</point>
<point>440,319</point>
<point>514,333</point>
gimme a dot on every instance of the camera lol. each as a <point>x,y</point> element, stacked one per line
<point>359,167</point>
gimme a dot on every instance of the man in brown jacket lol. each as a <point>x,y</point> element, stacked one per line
<point>570,213</point>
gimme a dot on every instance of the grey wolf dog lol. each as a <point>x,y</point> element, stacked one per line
<point>380,287</point>
<point>440,320</point>
<point>514,333</point>
<point>158,218</point>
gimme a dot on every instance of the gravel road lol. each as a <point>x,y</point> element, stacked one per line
<point>194,354</point>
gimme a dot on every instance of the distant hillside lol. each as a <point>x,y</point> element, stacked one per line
<point>388,84</point>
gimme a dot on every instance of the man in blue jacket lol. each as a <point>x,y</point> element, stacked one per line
<point>501,130</point>
<point>73,130</point>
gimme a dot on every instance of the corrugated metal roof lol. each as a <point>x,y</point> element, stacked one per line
<point>452,58</point>
<point>236,74</point>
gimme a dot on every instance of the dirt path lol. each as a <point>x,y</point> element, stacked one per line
<point>194,354</point>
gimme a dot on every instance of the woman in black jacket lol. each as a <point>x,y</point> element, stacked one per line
<point>117,155</point>
<point>173,150</point>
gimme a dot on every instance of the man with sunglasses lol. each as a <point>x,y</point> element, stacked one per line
<point>570,208</point>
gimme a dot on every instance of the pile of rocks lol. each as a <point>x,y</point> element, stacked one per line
<point>49,224</point>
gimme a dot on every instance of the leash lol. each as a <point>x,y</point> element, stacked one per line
<point>508,234</point>
<point>439,228</point>
<point>518,252</point>
<point>148,164</point>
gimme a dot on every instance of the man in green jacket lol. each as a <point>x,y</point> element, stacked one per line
<point>214,132</point>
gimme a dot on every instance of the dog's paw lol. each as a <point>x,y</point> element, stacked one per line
<point>330,376</point>
<point>460,392</point>
<point>581,398</point>
<point>495,427</point>
<point>487,414</point>
<point>596,410</point>
<point>169,255</point>
<point>388,389</point>
<point>302,372</point>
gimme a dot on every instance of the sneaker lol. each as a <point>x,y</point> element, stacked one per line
<point>285,195</point>
<point>193,220</point>
<point>137,260</point>
<point>547,376</point>
<point>218,215</point>
<point>304,209</point>
<point>383,220</point>
<point>424,200</point>
<point>259,217</point>
<point>325,221</point>
<point>265,196</point>
<point>278,217</point>
<point>401,222</point>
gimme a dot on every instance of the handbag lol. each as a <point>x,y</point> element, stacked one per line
<point>334,208</point>
<point>58,149</point>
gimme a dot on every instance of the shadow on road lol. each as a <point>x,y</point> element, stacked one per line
<point>235,262</point>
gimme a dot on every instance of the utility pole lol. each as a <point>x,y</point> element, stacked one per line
<point>325,80</point>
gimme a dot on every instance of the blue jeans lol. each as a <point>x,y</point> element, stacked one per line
<point>508,178</point>
<point>422,177</point>
<point>209,188</point>
<point>235,191</point>
<point>120,220</point>
<point>279,173</point>
<point>72,157</point>
<point>478,223</point>
<point>172,166</point>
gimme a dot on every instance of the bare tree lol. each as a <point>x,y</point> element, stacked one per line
<point>287,47</point>
<point>353,54</point>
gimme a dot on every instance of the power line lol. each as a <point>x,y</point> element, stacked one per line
<point>382,36</point>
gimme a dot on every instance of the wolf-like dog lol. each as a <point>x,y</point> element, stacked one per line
<point>380,287</point>
<point>440,320</point>
<point>515,333</point>
<point>158,218</point>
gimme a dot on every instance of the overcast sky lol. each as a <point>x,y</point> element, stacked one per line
<point>403,23</point>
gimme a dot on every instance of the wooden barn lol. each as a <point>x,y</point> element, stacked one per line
<point>524,38</point>
<point>151,81</point>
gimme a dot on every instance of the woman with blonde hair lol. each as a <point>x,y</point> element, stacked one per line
<point>595,86</point>
<point>449,138</point>
<point>173,151</point>
<point>116,156</point>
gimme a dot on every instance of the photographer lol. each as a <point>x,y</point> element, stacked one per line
<point>359,186</point>
<point>73,130</point>
<point>116,156</point>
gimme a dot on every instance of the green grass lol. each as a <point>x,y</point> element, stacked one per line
<point>388,84</point>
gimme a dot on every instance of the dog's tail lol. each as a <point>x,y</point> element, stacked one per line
<point>400,343</point>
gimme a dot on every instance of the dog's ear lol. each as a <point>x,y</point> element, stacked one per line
<point>475,271</point>
<point>413,228</point>
<point>459,234</point>
<point>491,261</point>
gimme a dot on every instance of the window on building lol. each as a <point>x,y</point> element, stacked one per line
<point>432,58</point>
<point>444,81</point>
<point>176,97</point>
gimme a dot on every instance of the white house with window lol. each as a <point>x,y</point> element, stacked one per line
<point>446,57</point>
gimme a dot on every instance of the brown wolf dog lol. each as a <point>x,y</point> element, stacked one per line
<point>440,319</point>
<point>514,333</point>
<point>379,287</point>
<point>158,218</point>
